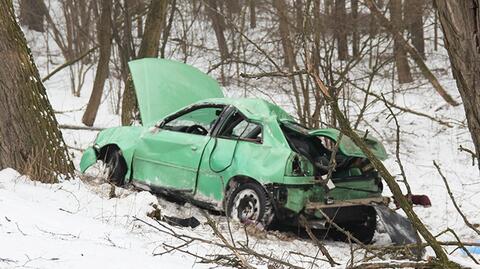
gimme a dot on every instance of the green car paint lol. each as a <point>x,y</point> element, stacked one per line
<point>164,86</point>
<point>204,167</point>
<point>349,148</point>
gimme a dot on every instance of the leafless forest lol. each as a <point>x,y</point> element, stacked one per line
<point>347,64</point>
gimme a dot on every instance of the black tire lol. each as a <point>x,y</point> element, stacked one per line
<point>363,230</point>
<point>117,167</point>
<point>249,204</point>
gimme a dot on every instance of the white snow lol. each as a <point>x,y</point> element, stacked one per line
<point>74,224</point>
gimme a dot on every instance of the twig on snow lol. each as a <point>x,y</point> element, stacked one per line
<point>449,191</point>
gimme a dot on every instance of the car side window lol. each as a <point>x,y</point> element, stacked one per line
<point>238,127</point>
<point>199,121</point>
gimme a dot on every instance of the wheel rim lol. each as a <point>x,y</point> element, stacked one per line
<point>246,206</point>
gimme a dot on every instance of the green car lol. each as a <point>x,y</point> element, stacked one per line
<point>246,157</point>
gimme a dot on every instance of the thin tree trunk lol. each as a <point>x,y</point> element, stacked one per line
<point>168,28</point>
<point>355,34</point>
<point>233,6</point>
<point>288,50</point>
<point>149,47</point>
<point>253,13</point>
<point>30,140</point>
<point>32,14</point>
<point>460,24</point>
<point>340,29</point>
<point>401,60</point>
<point>413,52</point>
<point>104,35</point>
<point>218,24</point>
<point>414,19</point>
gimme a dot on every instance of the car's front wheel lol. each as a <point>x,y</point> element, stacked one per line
<point>115,167</point>
<point>249,204</point>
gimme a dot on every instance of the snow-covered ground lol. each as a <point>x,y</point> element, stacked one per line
<point>74,224</point>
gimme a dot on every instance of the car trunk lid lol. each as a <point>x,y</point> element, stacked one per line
<point>348,147</point>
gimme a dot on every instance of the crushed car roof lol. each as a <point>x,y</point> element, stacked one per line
<point>253,108</point>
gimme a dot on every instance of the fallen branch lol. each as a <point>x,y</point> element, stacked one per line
<point>412,51</point>
<point>78,127</point>
<point>460,244</point>
<point>274,74</point>
<point>315,240</point>
<point>380,265</point>
<point>214,227</point>
<point>244,249</point>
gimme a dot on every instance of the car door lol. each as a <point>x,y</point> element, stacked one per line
<point>169,155</point>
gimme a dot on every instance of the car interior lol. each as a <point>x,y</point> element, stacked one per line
<point>199,121</point>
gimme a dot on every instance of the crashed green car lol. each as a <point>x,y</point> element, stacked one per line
<point>246,157</point>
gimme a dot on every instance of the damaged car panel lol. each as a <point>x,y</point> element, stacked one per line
<point>163,87</point>
<point>244,156</point>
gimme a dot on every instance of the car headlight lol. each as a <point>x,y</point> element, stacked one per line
<point>298,166</point>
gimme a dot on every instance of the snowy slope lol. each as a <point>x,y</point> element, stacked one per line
<point>75,225</point>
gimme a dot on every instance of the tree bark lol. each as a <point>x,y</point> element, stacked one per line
<point>30,140</point>
<point>104,35</point>
<point>218,24</point>
<point>340,29</point>
<point>32,14</point>
<point>414,19</point>
<point>401,60</point>
<point>149,47</point>
<point>461,27</point>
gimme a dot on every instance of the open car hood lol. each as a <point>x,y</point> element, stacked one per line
<point>349,148</point>
<point>163,87</point>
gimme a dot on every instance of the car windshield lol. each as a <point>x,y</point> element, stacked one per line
<point>198,121</point>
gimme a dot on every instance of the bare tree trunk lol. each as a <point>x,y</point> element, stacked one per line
<point>414,19</point>
<point>413,52</point>
<point>218,24</point>
<point>30,140</point>
<point>288,50</point>
<point>401,60</point>
<point>355,35</point>
<point>253,13</point>
<point>459,20</point>
<point>299,15</point>
<point>32,14</point>
<point>233,6</point>
<point>104,35</point>
<point>149,47</point>
<point>340,29</point>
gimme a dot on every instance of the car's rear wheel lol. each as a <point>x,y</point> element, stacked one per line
<point>249,204</point>
<point>115,167</point>
<point>363,230</point>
